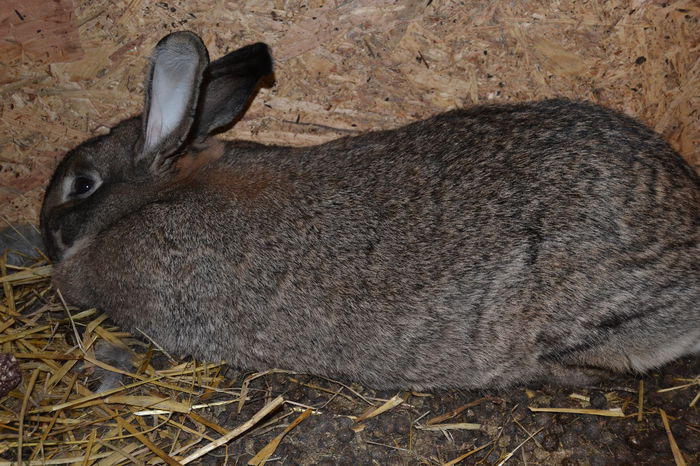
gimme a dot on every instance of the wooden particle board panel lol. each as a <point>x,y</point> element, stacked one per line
<point>341,67</point>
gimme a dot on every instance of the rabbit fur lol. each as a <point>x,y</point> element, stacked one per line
<point>482,247</point>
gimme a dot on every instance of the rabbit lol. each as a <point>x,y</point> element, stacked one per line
<point>483,247</point>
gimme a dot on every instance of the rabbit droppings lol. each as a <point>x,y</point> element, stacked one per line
<point>482,247</point>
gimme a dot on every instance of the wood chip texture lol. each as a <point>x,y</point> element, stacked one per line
<point>69,69</point>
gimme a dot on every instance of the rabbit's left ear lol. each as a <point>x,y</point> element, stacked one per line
<point>229,83</point>
<point>172,93</point>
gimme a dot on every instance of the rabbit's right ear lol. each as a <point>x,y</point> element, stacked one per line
<point>172,93</point>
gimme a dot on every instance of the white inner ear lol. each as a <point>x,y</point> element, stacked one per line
<point>172,87</point>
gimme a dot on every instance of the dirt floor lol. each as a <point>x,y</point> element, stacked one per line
<point>508,426</point>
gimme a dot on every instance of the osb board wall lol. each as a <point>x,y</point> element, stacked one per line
<point>71,68</point>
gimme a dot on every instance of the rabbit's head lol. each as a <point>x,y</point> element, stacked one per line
<point>187,98</point>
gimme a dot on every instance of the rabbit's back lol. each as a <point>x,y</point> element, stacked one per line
<point>479,247</point>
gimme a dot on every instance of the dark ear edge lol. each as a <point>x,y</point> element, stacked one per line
<point>228,85</point>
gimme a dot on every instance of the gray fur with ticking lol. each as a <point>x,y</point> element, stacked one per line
<point>481,247</point>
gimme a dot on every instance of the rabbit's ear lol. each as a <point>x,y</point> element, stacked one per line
<point>172,92</point>
<point>229,83</point>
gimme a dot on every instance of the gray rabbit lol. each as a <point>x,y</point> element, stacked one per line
<point>482,247</point>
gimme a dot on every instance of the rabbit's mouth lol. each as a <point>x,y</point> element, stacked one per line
<point>60,228</point>
<point>63,241</point>
<point>57,238</point>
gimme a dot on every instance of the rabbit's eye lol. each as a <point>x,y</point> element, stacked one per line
<point>82,185</point>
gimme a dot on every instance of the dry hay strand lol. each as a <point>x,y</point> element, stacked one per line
<point>386,406</point>
<point>613,412</point>
<point>466,455</point>
<point>677,455</point>
<point>54,417</point>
